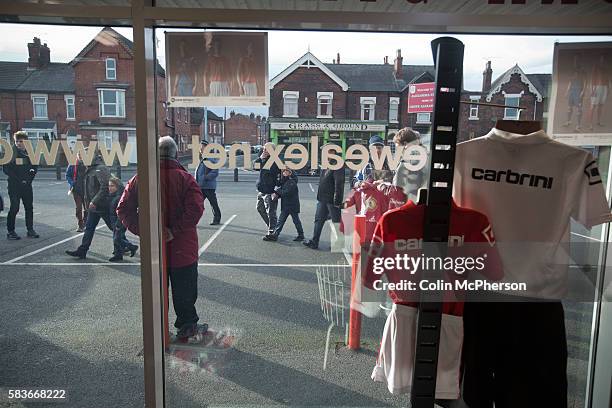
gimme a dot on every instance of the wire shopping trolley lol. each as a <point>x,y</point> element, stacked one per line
<point>334,293</point>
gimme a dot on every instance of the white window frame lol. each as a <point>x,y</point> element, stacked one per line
<point>67,99</point>
<point>291,95</point>
<point>46,104</point>
<point>321,96</point>
<point>518,103</point>
<point>368,100</point>
<point>119,103</point>
<point>394,109</point>
<point>420,115</point>
<point>108,137</point>
<point>473,108</point>
<point>108,70</point>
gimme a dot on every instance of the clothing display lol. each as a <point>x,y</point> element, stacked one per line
<point>403,228</point>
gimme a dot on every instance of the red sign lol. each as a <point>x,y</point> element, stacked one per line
<point>421,97</point>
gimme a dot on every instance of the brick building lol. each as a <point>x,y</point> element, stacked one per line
<point>90,98</point>
<point>245,128</point>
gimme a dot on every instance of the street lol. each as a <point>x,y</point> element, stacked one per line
<point>76,325</point>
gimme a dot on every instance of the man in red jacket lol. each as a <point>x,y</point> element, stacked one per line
<point>182,206</point>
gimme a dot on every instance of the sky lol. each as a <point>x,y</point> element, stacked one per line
<point>532,53</point>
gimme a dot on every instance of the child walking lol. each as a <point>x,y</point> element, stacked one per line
<point>290,205</point>
<point>120,243</point>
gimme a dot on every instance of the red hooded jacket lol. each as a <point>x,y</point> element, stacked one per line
<point>182,206</point>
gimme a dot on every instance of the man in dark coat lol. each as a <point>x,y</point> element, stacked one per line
<point>268,180</point>
<point>75,176</point>
<point>207,180</point>
<point>330,196</point>
<point>96,201</point>
<point>21,173</point>
<point>182,206</point>
<point>289,195</point>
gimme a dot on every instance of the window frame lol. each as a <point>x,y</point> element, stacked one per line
<point>113,69</point>
<point>394,101</point>
<point>419,121</point>
<point>46,105</point>
<point>329,96</point>
<point>119,102</point>
<point>473,107</point>
<point>368,100</point>
<point>66,99</point>
<point>291,95</point>
<point>518,103</point>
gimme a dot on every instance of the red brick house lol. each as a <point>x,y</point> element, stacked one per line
<point>90,98</point>
<point>245,128</point>
<point>214,123</point>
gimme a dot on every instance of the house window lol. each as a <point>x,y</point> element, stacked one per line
<point>368,107</point>
<point>112,103</point>
<point>474,108</point>
<point>423,117</point>
<point>324,104</point>
<point>512,100</point>
<point>107,137</point>
<point>70,111</point>
<point>393,109</point>
<point>290,104</point>
<point>111,68</point>
<point>40,106</point>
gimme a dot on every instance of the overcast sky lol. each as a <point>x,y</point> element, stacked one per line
<point>532,53</point>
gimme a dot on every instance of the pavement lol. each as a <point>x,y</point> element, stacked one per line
<point>76,325</point>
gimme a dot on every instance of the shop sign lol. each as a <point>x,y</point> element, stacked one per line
<point>421,97</point>
<point>338,126</point>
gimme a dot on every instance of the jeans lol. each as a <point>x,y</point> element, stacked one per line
<point>266,207</point>
<point>120,242</point>
<point>324,212</point>
<point>296,221</point>
<point>79,206</point>
<point>211,195</point>
<point>93,218</point>
<point>20,192</point>
<point>184,284</point>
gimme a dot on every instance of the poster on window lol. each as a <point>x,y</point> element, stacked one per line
<point>421,97</point>
<point>580,112</point>
<point>217,69</point>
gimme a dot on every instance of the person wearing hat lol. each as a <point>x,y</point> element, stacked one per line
<point>369,173</point>
<point>207,180</point>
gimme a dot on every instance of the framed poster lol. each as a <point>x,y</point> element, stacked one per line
<point>217,68</point>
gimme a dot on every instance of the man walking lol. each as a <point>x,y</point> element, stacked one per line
<point>207,180</point>
<point>182,206</point>
<point>75,176</point>
<point>96,201</point>
<point>330,195</point>
<point>21,173</point>
<point>268,180</point>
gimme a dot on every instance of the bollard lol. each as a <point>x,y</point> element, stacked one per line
<point>354,341</point>
<point>58,173</point>
<point>236,174</point>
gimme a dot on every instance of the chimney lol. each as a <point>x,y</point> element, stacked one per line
<point>34,54</point>
<point>232,113</point>
<point>397,68</point>
<point>338,58</point>
<point>258,118</point>
<point>45,56</point>
<point>386,60</point>
<point>252,116</point>
<point>487,75</point>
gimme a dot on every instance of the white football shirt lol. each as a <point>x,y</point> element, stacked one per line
<point>530,186</point>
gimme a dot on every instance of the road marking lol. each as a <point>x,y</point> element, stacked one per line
<point>276,265</point>
<point>311,188</point>
<point>200,264</point>
<point>216,234</point>
<point>584,236</point>
<point>19,258</point>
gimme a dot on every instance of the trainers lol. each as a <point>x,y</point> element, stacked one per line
<point>116,258</point>
<point>270,237</point>
<point>187,331</point>
<point>77,253</point>
<point>298,238</point>
<point>311,244</point>
<point>12,235</point>
<point>79,229</point>
<point>133,250</point>
<point>33,234</point>
<point>215,222</point>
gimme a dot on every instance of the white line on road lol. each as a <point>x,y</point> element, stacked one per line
<point>311,188</point>
<point>215,235</point>
<point>200,264</point>
<point>584,236</point>
<point>19,258</point>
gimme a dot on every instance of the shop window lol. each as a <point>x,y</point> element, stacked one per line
<point>112,102</point>
<point>324,104</point>
<point>368,107</point>
<point>423,117</point>
<point>70,110</point>
<point>40,106</point>
<point>474,108</point>
<point>512,100</point>
<point>290,104</point>
<point>111,69</point>
<point>393,110</point>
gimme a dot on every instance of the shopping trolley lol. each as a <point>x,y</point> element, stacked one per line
<point>334,292</point>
